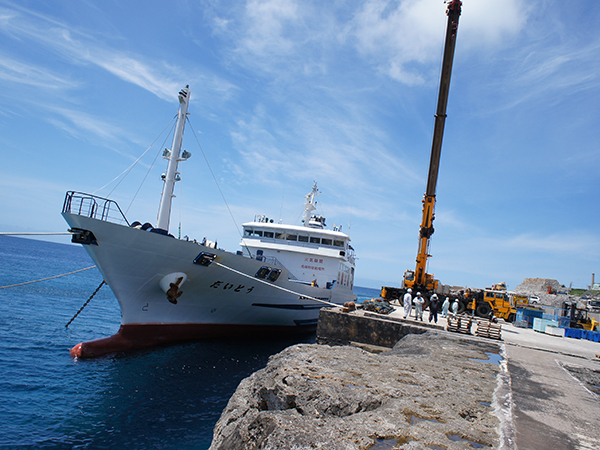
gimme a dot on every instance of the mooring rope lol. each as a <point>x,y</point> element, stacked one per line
<point>10,233</point>
<point>49,278</point>
<point>302,296</point>
<point>85,304</point>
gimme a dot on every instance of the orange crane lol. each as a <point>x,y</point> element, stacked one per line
<point>419,279</point>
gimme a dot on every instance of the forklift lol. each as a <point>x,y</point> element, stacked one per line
<point>578,317</point>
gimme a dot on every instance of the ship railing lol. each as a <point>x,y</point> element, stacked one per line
<point>95,207</point>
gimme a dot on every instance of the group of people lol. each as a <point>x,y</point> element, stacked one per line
<point>434,306</point>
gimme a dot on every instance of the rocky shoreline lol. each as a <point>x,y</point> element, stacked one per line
<point>435,390</point>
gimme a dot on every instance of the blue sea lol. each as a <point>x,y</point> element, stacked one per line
<point>166,398</point>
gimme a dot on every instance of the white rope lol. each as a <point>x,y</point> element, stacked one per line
<point>9,233</point>
<point>302,296</point>
<point>49,278</point>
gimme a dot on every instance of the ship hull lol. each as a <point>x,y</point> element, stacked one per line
<point>223,298</point>
<point>137,337</point>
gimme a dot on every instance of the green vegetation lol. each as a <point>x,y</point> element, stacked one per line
<point>579,292</point>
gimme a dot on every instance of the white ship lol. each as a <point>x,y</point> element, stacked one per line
<point>172,289</point>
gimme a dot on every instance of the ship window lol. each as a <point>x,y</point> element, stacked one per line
<point>247,231</point>
<point>268,234</point>
<point>338,243</point>
<point>303,238</point>
<point>258,233</point>
<point>279,235</point>
<point>292,237</point>
<point>325,241</point>
<point>315,240</point>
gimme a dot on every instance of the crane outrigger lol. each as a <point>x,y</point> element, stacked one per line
<point>419,279</point>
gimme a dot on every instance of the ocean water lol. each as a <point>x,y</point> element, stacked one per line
<point>166,398</point>
<point>365,293</point>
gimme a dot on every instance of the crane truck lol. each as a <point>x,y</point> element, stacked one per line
<point>419,279</point>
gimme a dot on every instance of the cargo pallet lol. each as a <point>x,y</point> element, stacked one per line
<point>485,328</point>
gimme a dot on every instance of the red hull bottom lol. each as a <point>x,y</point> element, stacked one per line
<point>135,337</point>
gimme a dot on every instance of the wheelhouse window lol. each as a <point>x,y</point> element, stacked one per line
<point>268,234</point>
<point>303,238</point>
<point>292,237</point>
<point>258,233</point>
<point>338,243</point>
<point>326,241</point>
<point>279,235</point>
<point>247,231</point>
<point>315,240</point>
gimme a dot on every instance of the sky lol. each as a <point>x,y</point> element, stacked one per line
<point>287,92</point>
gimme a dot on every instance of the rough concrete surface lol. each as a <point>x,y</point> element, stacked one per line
<point>434,390</point>
<point>429,392</point>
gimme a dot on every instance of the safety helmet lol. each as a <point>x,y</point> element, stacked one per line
<point>418,293</point>
<point>409,290</point>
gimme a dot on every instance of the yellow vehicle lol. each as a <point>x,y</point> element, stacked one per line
<point>425,282</point>
<point>579,318</point>
<point>483,303</point>
<point>501,304</point>
<point>519,301</point>
<point>499,286</point>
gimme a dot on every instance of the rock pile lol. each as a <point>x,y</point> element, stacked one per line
<point>432,390</point>
<point>539,287</point>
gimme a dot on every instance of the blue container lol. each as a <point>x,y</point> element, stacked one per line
<point>574,333</point>
<point>528,315</point>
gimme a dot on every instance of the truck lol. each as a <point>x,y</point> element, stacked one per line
<point>503,303</point>
<point>419,279</point>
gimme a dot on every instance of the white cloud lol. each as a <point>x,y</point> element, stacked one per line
<point>86,123</point>
<point>79,48</point>
<point>14,71</point>
<point>400,37</point>
<point>492,23</point>
<point>268,21</point>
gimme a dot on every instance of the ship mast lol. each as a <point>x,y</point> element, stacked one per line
<point>171,176</point>
<point>310,204</point>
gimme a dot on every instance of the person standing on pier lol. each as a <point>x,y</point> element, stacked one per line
<point>418,302</point>
<point>455,306</point>
<point>445,307</point>
<point>407,303</point>
<point>434,306</point>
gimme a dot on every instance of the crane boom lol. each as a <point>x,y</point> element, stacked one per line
<point>419,279</point>
<point>454,10</point>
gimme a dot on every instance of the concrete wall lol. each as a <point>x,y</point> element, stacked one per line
<point>339,328</point>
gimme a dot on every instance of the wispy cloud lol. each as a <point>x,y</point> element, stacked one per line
<point>16,72</point>
<point>82,125</point>
<point>77,47</point>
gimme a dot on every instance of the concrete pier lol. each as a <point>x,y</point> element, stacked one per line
<point>342,328</point>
